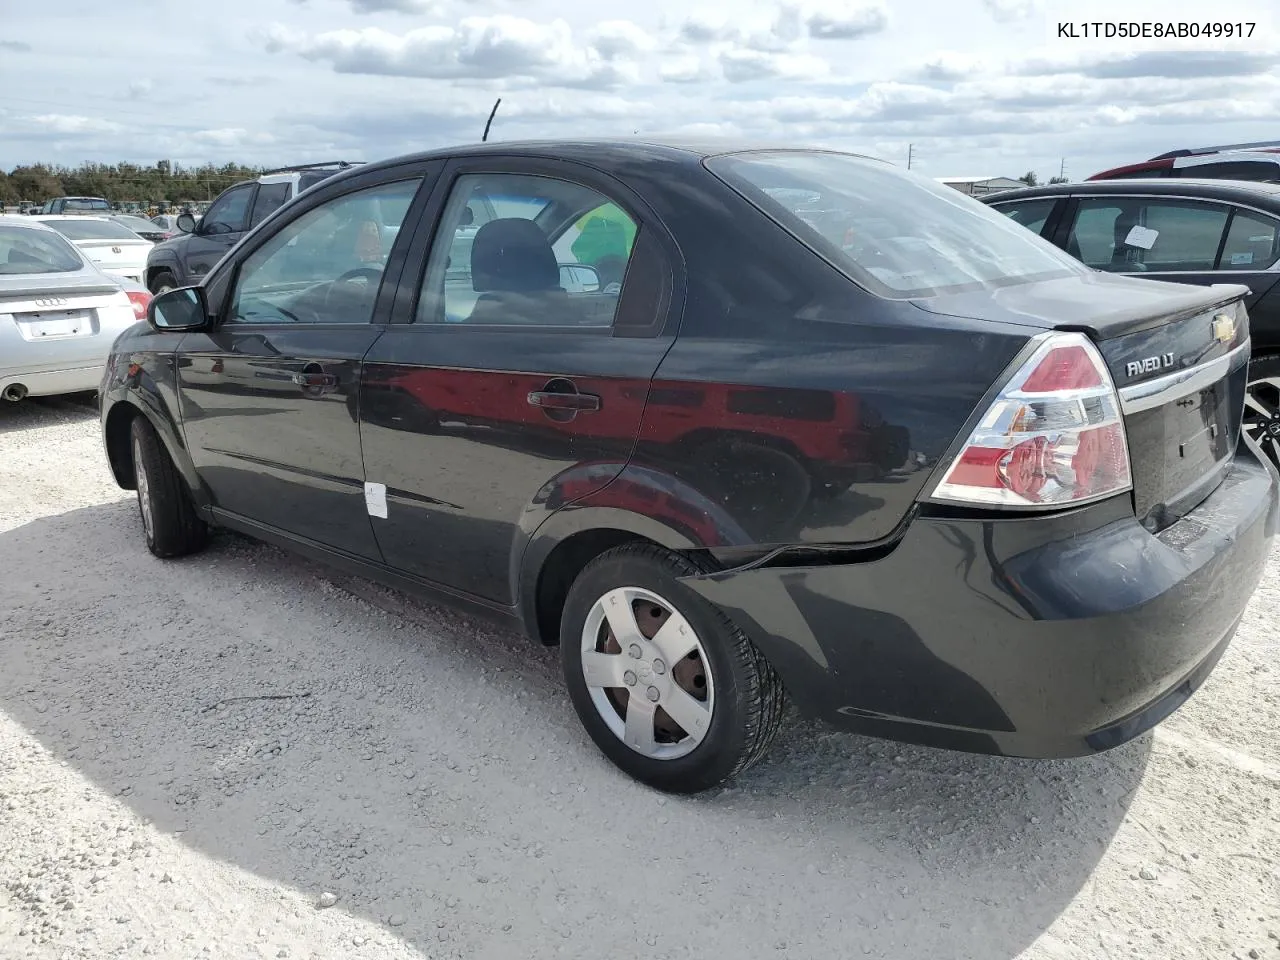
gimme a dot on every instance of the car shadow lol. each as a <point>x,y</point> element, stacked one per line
<point>326,733</point>
<point>36,413</point>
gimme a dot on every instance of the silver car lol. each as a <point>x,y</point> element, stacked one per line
<point>59,314</point>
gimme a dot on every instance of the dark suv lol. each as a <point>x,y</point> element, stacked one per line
<point>187,258</point>
<point>722,423</point>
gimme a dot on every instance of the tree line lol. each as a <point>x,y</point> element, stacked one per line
<point>120,181</point>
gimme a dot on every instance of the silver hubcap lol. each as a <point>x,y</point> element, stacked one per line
<point>647,673</point>
<point>144,489</point>
<point>1262,415</point>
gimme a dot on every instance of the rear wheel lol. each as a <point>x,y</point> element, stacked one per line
<point>169,519</point>
<point>667,686</point>
<point>1262,405</point>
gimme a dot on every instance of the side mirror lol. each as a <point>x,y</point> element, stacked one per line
<point>186,223</point>
<point>579,278</point>
<point>180,309</point>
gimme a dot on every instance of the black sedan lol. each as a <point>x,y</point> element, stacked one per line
<point>1186,231</point>
<point>723,423</point>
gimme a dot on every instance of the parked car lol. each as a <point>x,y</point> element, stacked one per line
<point>116,249</point>
<point>168,225</point>
<point>60,312</point>
<point>1189,231</point>
<point>1239,161</point>
<point>202,242</point>
<point>633,475</point>
<point>140,226</point>
<point>71,205</point>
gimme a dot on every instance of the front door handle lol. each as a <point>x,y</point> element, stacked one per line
<point>552,400</point>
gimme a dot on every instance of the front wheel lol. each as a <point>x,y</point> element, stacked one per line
<point>169,520</point>
<point>1262,405</point>
<point>666,685</point>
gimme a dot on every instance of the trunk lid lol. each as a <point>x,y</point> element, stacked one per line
<point>1178,355</point>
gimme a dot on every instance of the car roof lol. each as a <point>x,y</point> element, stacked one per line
<point>66,216</point>
<point>1244,191</point>
<point>603,151</point>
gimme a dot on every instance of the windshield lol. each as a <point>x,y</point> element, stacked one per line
<point>84,203</point>
<point>23,250</point>
<point>90,228</point>
<point>896,233</point>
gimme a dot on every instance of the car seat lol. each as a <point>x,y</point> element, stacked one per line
<point>514,269</point>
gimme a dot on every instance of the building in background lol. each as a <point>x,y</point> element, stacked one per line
<point>981,186</point>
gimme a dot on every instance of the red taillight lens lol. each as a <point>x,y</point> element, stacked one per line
<point>140,299</point>
<point>1053,437</point>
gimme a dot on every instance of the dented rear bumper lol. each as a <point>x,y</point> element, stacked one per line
<point>1028,636</point>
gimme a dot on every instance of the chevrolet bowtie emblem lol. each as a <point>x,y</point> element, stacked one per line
<point>1224,328</point>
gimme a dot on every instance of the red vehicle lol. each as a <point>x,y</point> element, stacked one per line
<point>1238,161</point>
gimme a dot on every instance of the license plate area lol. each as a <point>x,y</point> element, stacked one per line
<point>56,325</point>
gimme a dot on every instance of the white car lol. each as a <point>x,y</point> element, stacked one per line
<point>112,246</point>
<point>59,314</point>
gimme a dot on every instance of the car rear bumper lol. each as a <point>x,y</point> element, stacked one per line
<point>50,382</point>
<point>1038,637</point>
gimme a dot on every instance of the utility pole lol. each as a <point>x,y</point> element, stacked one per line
<point>911,149</point>
<point>1062,168</point>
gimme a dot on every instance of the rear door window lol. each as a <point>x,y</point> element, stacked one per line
<point>1138,235</point>
<point>271,197</point>
<point>1251,242</point>
<point>1031,214</point>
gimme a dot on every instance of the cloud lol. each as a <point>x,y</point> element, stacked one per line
<point>495,47</point>
<point>702,28</point>
<point>73,124</point>
<point>946,66</point>
<point>846,22</point>
<point>1156,64</point>
<point>1009,11</point>
<point>683,69</point>
<point>17,46</point>
<point>393,6</point>
<point>139,88</point>
<point>742,65</point>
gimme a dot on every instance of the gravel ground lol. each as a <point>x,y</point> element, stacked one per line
<point>243,754</point>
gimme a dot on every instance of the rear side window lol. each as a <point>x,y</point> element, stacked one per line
<point>893,232</point>
<point>1251,242</point>
<point>90,228</point>
<point>1136,235</point>
<point>1030,213</point>
<point>23,250</point>
<point>1256,170</point>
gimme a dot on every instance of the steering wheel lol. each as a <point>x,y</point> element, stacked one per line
<point>369,274</point>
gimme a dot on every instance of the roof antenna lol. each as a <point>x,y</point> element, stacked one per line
<point>492,114</point>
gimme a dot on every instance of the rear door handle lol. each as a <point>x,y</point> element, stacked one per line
<point>553,400</point>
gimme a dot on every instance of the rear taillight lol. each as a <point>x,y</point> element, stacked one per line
<point>1053,437</point>
<point>139,299</point>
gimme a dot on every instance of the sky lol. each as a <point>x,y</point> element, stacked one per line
<point>967,87</point>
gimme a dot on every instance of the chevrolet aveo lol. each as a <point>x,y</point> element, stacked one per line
<point>721,423</point>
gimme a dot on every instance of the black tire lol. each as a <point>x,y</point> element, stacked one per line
<point>169,520</point>
<point>749,696</point>
<point>1262,411</point>
<point>163,280</point>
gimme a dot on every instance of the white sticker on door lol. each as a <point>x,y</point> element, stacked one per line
<point>375,499</point>
<point>1144,238</point>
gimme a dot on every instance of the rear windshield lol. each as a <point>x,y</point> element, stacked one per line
<point>23,250</point>
<point>896,233</point>
<point>136,223</point>
<point>84,203</point>
<point>87,228</point>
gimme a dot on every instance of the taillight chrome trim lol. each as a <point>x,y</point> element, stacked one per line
<point>1174,386</point>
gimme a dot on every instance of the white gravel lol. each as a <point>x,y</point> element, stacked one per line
<point>419,786</point>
